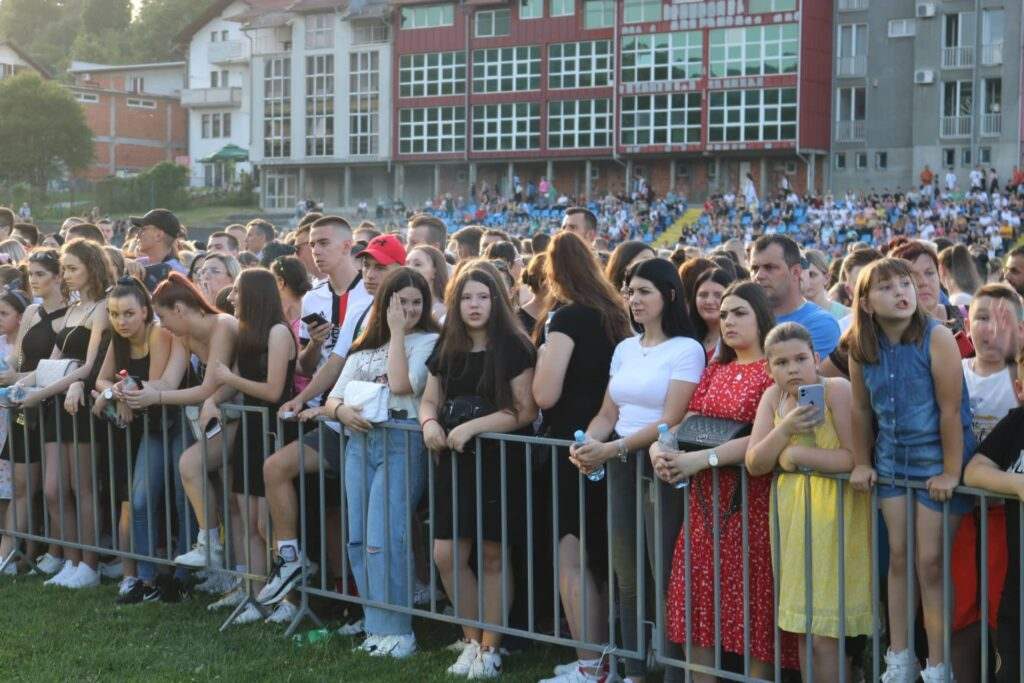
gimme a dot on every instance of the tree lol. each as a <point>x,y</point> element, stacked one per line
<point>159,22</point>
<point>42,131</point>
<point>99,16</point>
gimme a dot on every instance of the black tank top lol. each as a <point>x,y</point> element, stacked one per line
<point>255,369</point>
<point>73,342</point>
<point>39,339</point>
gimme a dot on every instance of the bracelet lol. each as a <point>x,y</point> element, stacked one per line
<point>334,413</point>
<point>423,425</point>
<point>623,452</point>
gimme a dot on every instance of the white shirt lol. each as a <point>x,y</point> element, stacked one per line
<point>640,378</point>
<point>992,397</point>
<point>320,300</point>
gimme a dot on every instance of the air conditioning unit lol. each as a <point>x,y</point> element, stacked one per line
<point>925,10</point>
<point>924,76</point>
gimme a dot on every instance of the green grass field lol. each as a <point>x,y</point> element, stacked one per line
<point>53,634</point>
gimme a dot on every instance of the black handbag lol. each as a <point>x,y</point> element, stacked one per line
<point>462,409</point>
<point>700,431</point>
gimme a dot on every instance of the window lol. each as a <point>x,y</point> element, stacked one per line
<point>853,49</point>
<point>985,155</point>
<point>752,115</point>
<point>136,103</point>
<point>957,108</point>
<point>881,160</point>
<point>319,31</point>
<point>506,69</point>
<point>851,111</point>
<point>86,98</point>
<point>277,107</point>
<point>754,51</point>
<point>662,57</point>
<point>216,125</point>
<point>580,65</point>
<point>506,127</point>
<point>492,23</point>
<point>992,106</point>
<point>136,84</point>
<point>432,130</point>
<point>661,119</point>
<point>579,124</point>
<point>759,6</point>
<point>280,191</point>
<point>563,8</point>
<point>214,36</point>
<point>958,40</point>
<point>364,33</point>
<point>320,105</point>
<point>598,13</point>
<point>949,157</point>
<point>637,11</point>
<point>430,16</point>
<point>432,74</point>
<point>840,161</point>
<point>861,160</point>
<point>531,9</point>
<point>219,79</point>
<point>364,103</point>
<point>902,28</point>
<point>992,21</point>
<point>965,157</point>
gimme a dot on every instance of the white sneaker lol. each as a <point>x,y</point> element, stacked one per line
<point>48,564</point>
<point>936,674</point>
<point>84,577</point>
<point>284,613</point>
<point>114,570</point>
<point>217,582</point>
<point>562,669</point>
<point>368,645</point>
<point>232,599</point>
<point>283,577</point>
<point>466,658</point>
<point>578,676</point>
<point>126,585</point>
<point>900,667</point>
<point>198,557</point>
<point>11,569</point>
<point>398,647</point>
<point>66,572</point>
<point>351,629</point>
<point>486,665</point>
<point>458,646</point>
<point>250,615</point>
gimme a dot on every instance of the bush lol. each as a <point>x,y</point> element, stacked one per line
<point>164,185</point>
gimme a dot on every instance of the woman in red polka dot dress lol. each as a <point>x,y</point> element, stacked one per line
<point>730,388</point>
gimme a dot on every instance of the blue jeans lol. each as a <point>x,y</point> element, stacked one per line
<point>148,497</point>
<point>382,494</point>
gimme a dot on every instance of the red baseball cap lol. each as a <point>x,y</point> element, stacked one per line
<point>385,250</point>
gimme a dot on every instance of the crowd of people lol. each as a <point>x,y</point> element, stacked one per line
<point>893,360</point>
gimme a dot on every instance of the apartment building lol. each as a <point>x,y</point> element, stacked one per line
<point>924,82</point>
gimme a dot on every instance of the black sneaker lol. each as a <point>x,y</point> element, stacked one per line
<point>135,595</point>
<point>166,589</point>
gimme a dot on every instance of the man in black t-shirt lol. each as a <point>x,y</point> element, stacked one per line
<point>999,466</point>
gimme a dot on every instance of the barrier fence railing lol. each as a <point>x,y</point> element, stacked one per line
<point>517,499</point>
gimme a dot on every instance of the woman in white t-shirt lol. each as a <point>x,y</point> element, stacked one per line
<point>652,377</point>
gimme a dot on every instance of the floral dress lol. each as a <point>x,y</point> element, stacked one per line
<point>732,391</point>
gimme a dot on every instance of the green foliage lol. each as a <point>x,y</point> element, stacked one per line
<point>99,16</point>
<point>165,185</point>
<point>42,131</point>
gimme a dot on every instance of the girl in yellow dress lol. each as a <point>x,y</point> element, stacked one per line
<point>798,441</point>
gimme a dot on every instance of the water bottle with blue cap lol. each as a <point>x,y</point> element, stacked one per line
<point>581,439</point>
<point>668,441</point>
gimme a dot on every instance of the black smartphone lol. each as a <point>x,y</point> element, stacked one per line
<point>314,319</point>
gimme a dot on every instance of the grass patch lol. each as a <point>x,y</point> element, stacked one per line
<point>210,216</point>
<point>51,634</point>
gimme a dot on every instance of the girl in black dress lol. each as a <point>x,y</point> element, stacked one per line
<point>35,341</point>
<point>480,377</point>
<point>263,375</point>
<point>69,486</point>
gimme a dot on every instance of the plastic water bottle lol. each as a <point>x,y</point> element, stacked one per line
<point>668,440</point>
<point>128,381</point>
<point>581,438</point>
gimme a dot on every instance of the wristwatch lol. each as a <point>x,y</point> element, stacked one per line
<point>622,451</point>
<point>713,458</point>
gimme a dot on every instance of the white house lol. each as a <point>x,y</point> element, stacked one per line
<point>13,59</point>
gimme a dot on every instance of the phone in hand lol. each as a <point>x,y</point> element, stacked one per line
<point>813,395</point>
<point>314,319</point>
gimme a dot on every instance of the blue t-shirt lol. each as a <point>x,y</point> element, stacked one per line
<point>823,327</point>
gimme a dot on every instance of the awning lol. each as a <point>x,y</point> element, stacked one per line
<point>227,153</point>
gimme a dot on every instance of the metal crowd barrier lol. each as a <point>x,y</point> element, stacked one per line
<point>522,540</point>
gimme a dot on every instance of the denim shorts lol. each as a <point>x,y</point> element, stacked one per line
<point>959,504</point>
<point>330,457</point>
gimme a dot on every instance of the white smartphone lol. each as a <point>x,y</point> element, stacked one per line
<point>813,395</point>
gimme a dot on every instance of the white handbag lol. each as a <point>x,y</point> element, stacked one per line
<point>52,370</point>
<point>369,398</point>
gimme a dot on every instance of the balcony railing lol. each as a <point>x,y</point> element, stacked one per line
<point>849,131</point>
<point>228,52</point>
<point>992,55</point>
<point>854,66</point>
<point>956,126</point>
<point>958,57</point>
<point>991,124</point>
<point>852,5</point>
<point>198,98</point>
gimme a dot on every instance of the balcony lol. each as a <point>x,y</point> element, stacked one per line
<point>956,126</point>
<point>852,67</point>
<point>849,131</point>
<point>992,124</point>
<point>992,55</point>
<point>958,57</point>
<point>853,5</point>
<point>228,52</point>
<point>200,98</point>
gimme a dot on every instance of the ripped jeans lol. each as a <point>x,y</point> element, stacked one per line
<point>382,490</point>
